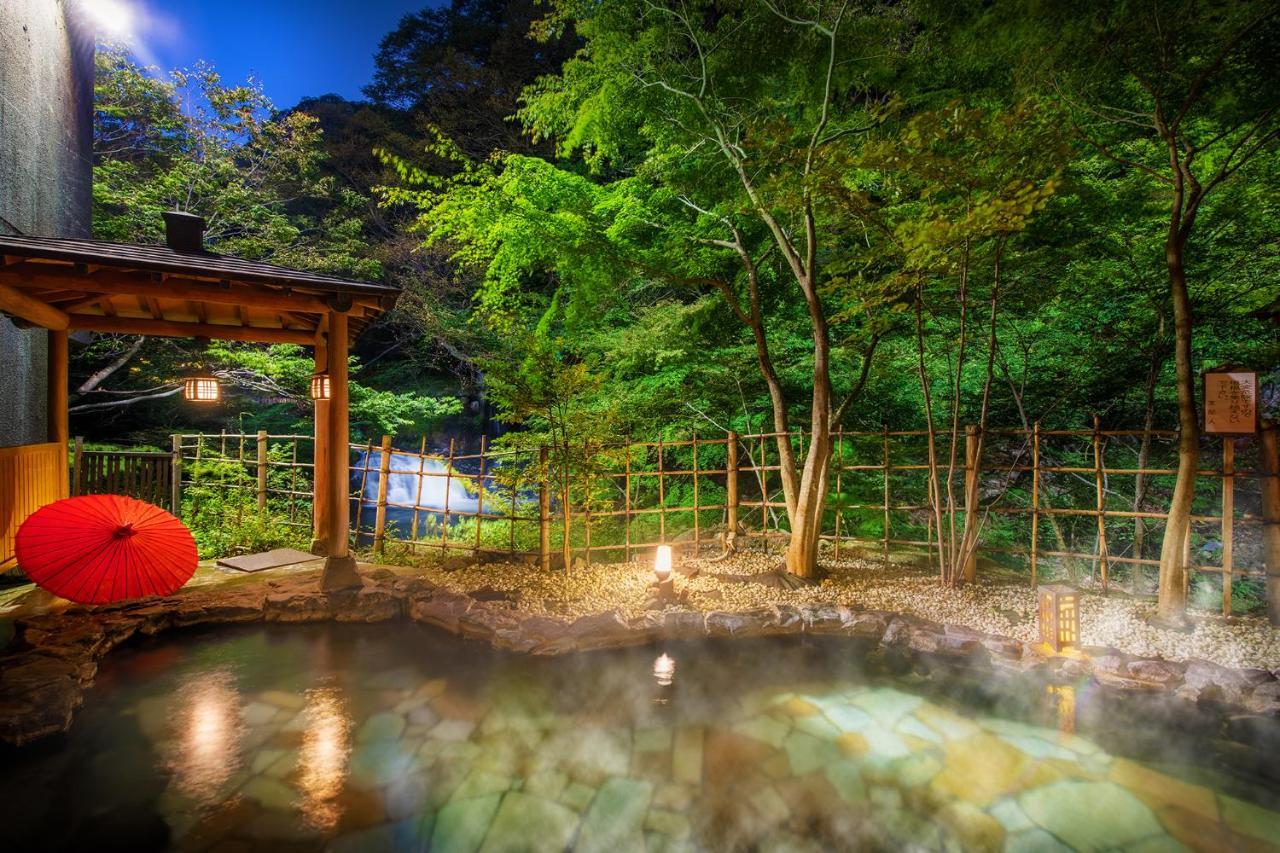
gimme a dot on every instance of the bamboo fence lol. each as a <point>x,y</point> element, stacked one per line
<point>1036,486</point>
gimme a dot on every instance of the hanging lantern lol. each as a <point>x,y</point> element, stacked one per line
<point>1059,617</point>
<point>201,389</point>
<point>321,388</point>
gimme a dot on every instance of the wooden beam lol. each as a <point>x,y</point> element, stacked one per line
<point>32,310</point>
<point>171,288</point>
<point>172,329</point>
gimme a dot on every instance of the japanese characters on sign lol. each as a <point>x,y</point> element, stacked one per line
<point>1230,402</point>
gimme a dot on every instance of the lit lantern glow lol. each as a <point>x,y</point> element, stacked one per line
<point>1059,617</point>
<point>321,388</point>
<point>662,563</point>
<point>201,389</point>
<point>664,670</point>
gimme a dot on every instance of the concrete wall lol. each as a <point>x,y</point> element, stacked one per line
<point>46,172</point>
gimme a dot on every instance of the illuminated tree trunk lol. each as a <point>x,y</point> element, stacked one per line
<point>1173,569</point>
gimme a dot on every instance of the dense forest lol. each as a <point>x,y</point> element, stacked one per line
<point>638,218</point>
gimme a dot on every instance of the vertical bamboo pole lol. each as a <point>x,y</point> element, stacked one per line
<point>293,480</point>
<point>380,511</point>
<point>511,544</point>
<point>1269,480</point>
<point>764,492</point>
<point>77,471</point>
<point>364,480</point>
<point>262,470</point>
<point>417,492</point>
<point>626,505</point>
<point>971,474</point>
<point>1228,521</point>
<point>484,448</point>
<point>1100,489</point>
<point>1035,503</point>
<point>839,463</point>
<point>586,508</point>
<point>731,486</point>
<point>697,529</point>
<point>544,510</point>
<point>662,497</point>
<point>448,488</point>
<point>884,437</point>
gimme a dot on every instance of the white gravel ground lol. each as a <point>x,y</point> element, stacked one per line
<point>998,606</point>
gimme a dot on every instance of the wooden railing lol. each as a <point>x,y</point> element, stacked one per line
<point>145,475</point>
<point>31,476</point>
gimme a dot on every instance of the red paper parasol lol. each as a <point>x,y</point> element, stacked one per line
<point>100,548</point>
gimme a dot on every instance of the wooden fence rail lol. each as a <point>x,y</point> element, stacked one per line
<point>704,491</point>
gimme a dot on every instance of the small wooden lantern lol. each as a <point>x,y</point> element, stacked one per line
<point>1059,616</point>
<point>201,389</point>
<point>321,388</point>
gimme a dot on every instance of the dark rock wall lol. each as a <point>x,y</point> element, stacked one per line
<point>46,171</point>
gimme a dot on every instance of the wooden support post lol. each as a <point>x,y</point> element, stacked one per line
<point>544,510</point>
<point>1101,502</point>
<point>884,437</point>
<point>380,512</point>
<point>77,470</point>
<point>321,527</point>
<point>175,475</point>
<point>339,565</point>
<point>262,470</point>
<point>731,488</point>
<point>1035,503</point>
<point>971,475</point>
<point>1269,463</point>
<point>1228,518</point>
<point>59,433</point>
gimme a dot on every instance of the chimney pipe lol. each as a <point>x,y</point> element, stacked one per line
<point>183,232</point>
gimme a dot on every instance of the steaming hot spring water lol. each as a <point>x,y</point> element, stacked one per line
<point>400,737</point>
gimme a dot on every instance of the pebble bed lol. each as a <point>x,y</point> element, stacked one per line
<point>993,606</point>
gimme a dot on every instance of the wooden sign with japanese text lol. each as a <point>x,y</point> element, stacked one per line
<point>1230,402</point>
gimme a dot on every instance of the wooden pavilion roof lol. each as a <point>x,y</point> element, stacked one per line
<point>157,290</point>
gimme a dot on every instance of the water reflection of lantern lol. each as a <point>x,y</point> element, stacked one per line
<point>321,388</point>
<point>322,760</point>
<point>206,751</point>
<point>662,569</point>
<point>664,670</point>
<point>1063,699</point>
<point>1059,616</point>
<point>200,389</point>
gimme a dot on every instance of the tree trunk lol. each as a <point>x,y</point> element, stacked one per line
<point>811,498</point>
<point>1173,569</point>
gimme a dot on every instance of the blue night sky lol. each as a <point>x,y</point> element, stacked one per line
<point>296,48</point>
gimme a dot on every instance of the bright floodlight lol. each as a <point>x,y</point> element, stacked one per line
<point>114,18</point>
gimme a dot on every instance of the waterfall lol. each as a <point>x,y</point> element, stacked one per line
<point>426,492</point>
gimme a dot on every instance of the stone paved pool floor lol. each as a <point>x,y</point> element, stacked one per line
<point>430,767</point>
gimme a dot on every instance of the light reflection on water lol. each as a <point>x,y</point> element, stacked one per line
<point>394,737</point>
<point>206,750</point>
<point>323,756</point>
